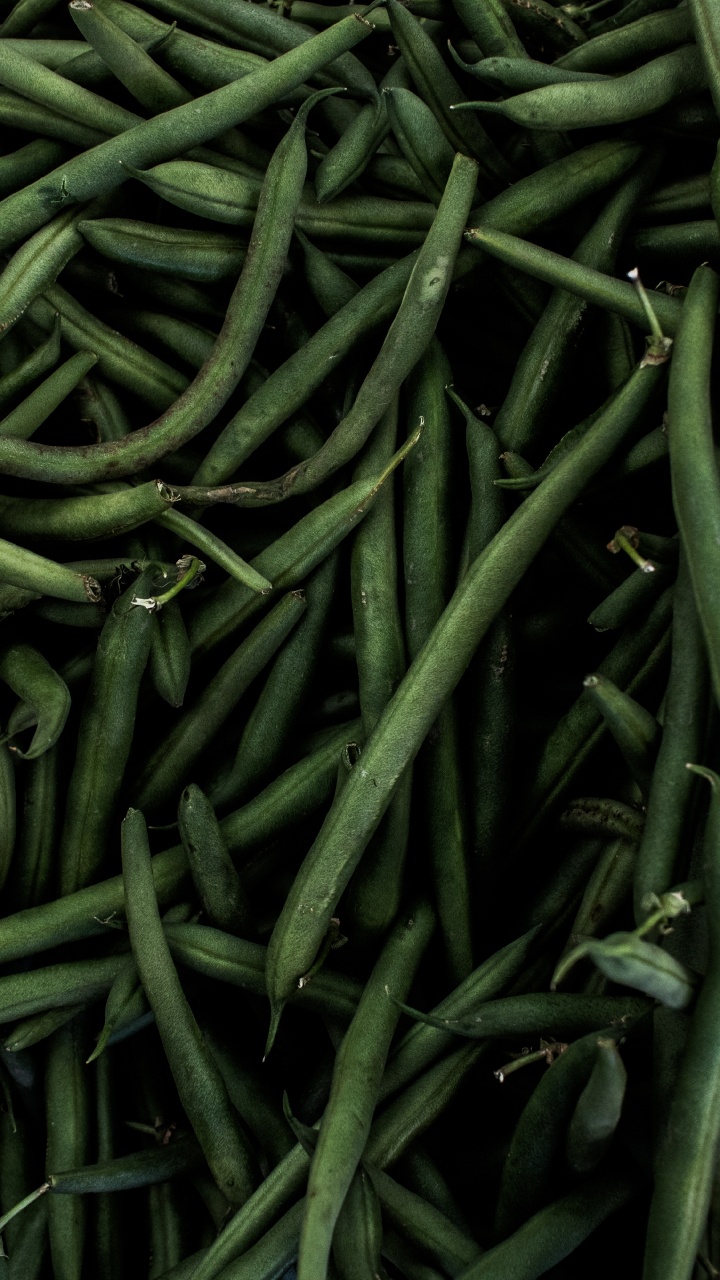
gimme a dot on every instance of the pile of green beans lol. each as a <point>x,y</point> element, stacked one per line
<point>359,640</point>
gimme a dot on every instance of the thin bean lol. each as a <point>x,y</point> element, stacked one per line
<point>626,44</point>
<point>421,139</point>
<point>39,1026</point>
<point>31,161</point>
<point>37,684</point>
<point>431,678</point>
<point>68,1137</point>
<point>23,568</point>
<point>200,1085</point>
<point>349,157</point>
<point>635,730</point>
<point>40,361</point>
<point>170,655</point>
<point>519,74</point>
<point>425,1225</point>
<point>37,264</point>
<point>23,421</point>
<point>358,1234</point>
<point>33,870</point>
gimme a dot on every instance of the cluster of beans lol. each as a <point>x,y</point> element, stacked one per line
<point>359,640</point>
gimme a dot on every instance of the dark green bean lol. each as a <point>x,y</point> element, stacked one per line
<point>125,1173</point>
<point>629,960</point>
<point>684,722</point>
<point>31,161</point>
<point>37,264</point>
<point>193,255</point>
<point>421,139</point>
<point>32,873</point>
<point>25,569</point>
<point>40,361</point>
<point>351,154</point>
<point>518,73</point>
<point>540,1012</point>
<point>425,1225</point>
<point>433,675</point>
<point>627,44</point>
<point>686,1153</point>
<point>170,654</point>
<point>68,1120</point>
<point>23,421</point>
<point>358,1234</point>
<point>635,730</point>
<point>218,885</point>
<point>295,796</point>
<point>692,241</point>
<point>598,1108</point>
<point>200,1085</point>
<point>170,767</point>
<point>38,685</point>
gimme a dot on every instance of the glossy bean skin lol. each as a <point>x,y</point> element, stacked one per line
<point>696,488</point>
<point>171,765</point>
<point>437,669</point>
<point>105,738</point>
<point>685,1155</point>
<point>684,726</point>
<point>199,1083</point>
<point>303,790</point>
<point>356,1080</point>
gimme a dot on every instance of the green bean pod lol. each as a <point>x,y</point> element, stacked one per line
<point>421,139</point>
<point>439,88</point>
<point>193,255</point>
<point>635,730</point>
<point>607,889</point>
<point>170,654</point>
<point>28,162</point>
<point>554,1232</point>
<point>357,1238</point>
<point>424,1225</point>
<point>582,105</point>
<point>68,1143</point>
<point>685,1159</point>
<point>150,85</point>
<point>170,766</point>
<point>268,727</point>
<point>597,1111</point>
<point>83,518</point>
<point>37,264</point>
<point>125,1001</point>
<point>200,1085</point>
<point>105,738</point>
<point>217,883</point>
<point>298,794</point>
<point>632,598</point>
<point>414,707</point>
<point>633,962</point>
<point>684,724</point>
<point>44,692</point>
<point>23,421</point>
<point>356,1080</point>
<point>32,873</point>
<point>631,41</point>
<point>696,487</point>
<point>349,157</point>
<point>39,1026</point>
<point>22,568</point>
<point>518,73</point>
<point>140,1169</point>
<point>40,361</point>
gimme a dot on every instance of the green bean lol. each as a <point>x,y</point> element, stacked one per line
<point>49,89</point>
<point>40,361</point>
<point>119,359</point>
<point>695,484</point>
<point>214,548</point>
<point>633,597</point>
<point>17,112</point>
<point>404,344</point>
<point>428,557</point>
<point>439,88</point>
<point>7,813</point>
<point>67,1109</point>
<point>168,335</point>
<point>635,730</point>
<point>678,199</point>
<point>268,726</point>
<point>170,655</point>
<point>598,1108</point>
<point>491,27</point>
<point>295,554</point>
<point>151,86</point>
<point>425,1225</point>
<point>32,872</point>
<point>253,1099</point>
<point>653,33</point>
<point>581,105</point>
<point>292,798</point>
<point>228,959</point>
<point>331,287</point>
<point>421,139</point>
<point>105,738</point>
<point>431,678</point>
<point>199,1083</point>
<point>353,1094</point>
<point>58,986</point>
<point>27,1258</point>
<point>25,569</point>
<point>218,885</point>
<point>629,12</point>
<point>23,421</point>
<point>618,296</point>
<point>610,819</point>
<point>37,684</point>
<point>552,347</point>
<point>39,1026</point>
<point>684,721</point>
<point>142,1168</point>
<point>37,264</point>
<point>536,1013</point>
<point>193,255</point>
<point>170,766</point>
<point>542,22</point>
<point>686,1153</point>
<point>31,161</point>
<point>607,889</point>
<point>554,1232</point>
<point>518,73</point>
<point>695,241</point>
<point>706,28</point>
<point>358,1234</point>
<point>78,519</point>
<point>631,961</point>
<point>349,157</point>
<point>195,122</point>
<point>24,16</point>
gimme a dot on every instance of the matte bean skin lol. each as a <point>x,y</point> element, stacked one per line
<point>171,765</point>
<point>39,362</point>
<point>194,255</point>
<point>200,1085</point>
<point>688,1143</point>
<point>36,265</point>
<point>7,813</point>
<point>221,892</point>
<point>22,568</point>
<point>597,1113</point>
<point>124,1173</point>
<point>37,684</point>
<point>693,469</point>
<point>32,875</point>
<point>302,791</point>
<point>23,421</point>
<point>353,1093</point>
<point>653,33</point>
<point>581,105</point>
<point>658,865</point>
<point>635,730</point>
<point>68,1119</point>
<point>431,678</point>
